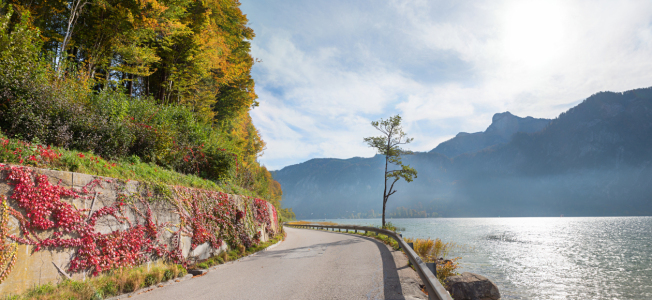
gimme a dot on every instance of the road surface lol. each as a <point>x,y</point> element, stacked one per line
<point>309,264</point>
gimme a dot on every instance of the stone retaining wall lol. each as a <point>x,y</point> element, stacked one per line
<point>38,267</point>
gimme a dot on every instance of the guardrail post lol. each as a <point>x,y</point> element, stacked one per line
<point>411,245</point>
<point>433,267</point>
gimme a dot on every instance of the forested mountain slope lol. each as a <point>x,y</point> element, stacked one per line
<point>594,159</point>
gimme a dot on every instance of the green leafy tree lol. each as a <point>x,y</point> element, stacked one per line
<point>388,144</point>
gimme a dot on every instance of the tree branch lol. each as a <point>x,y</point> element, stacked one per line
<point>392,187</point>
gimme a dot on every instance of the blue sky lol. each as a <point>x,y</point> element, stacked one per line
<point>331,67</point>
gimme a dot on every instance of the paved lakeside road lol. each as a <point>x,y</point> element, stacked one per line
<point>309,264</point>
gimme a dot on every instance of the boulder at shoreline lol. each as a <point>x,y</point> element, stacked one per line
<point>469,286</point>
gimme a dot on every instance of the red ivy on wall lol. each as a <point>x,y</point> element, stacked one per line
<point>75,228</point>
<point>205,216</point>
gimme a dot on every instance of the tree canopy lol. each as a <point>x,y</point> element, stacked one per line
<point>194,53</point>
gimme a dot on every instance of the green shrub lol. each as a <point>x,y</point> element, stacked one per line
<point>182,271</point>
<point>150,279</point>
<point>202,265</point>
<point>170,273</point>
<point>109,289</point>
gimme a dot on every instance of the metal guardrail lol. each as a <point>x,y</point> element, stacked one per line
<point>435,290</point>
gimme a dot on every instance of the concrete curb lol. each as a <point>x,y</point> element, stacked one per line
<point>199,272</point>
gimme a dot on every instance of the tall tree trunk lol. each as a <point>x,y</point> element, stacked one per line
<point>75,10</point>
<point>384,204</point>
<point>385,195</point>
<point>131,85</point>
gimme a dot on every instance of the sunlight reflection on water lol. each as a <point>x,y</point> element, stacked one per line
<point>548,258</point>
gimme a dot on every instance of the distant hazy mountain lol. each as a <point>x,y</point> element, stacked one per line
<point>503,127</point>
<point>593,160</point>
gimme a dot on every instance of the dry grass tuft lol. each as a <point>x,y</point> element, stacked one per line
<point>436,251</point>
<point>110,284</point>
<point>224,256</point>
<point>430,250</point>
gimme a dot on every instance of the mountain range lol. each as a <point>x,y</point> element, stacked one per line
<point>593,160</point>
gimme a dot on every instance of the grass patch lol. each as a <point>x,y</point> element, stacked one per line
<point>107,285</point>
<point>14,151</point>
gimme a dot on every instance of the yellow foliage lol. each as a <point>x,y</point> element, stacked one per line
<point>430,250</point>
<point>436,251</point>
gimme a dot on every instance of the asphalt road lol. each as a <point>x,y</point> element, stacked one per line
<point>309,264</point>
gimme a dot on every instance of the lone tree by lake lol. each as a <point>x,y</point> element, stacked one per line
<point>388,144</point>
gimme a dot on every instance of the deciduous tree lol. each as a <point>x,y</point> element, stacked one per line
<point>388,144</point>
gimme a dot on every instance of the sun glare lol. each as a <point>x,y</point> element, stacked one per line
<point>534,32</point>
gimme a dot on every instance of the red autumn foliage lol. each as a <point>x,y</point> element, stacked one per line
<point>205,216</point>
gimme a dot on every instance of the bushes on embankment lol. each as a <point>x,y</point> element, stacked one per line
<point>40,106</point>
<point>106,112</point>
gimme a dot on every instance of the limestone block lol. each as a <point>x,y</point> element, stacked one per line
<point>5,189</point>
<point>185,244</point>
<point>54,177</point>
<point>35,269</point>
<point>80,180</point>
<point>131,187</point>
<point>202,251</point>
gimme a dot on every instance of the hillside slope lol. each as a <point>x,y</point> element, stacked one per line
<point>503,127</point>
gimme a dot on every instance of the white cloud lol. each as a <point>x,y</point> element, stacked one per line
<point>329,68</point>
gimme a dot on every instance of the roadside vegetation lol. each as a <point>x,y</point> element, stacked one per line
<point>141,103</point>
<point>127,280</point>
<point>436,251</point>
<point>112,283</point>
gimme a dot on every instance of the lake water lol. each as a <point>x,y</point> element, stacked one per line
<point>547,258</point>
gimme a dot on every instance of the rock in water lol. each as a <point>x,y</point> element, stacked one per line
<point>469,286</point>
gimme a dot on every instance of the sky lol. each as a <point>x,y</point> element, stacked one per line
<point>328,68</point>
